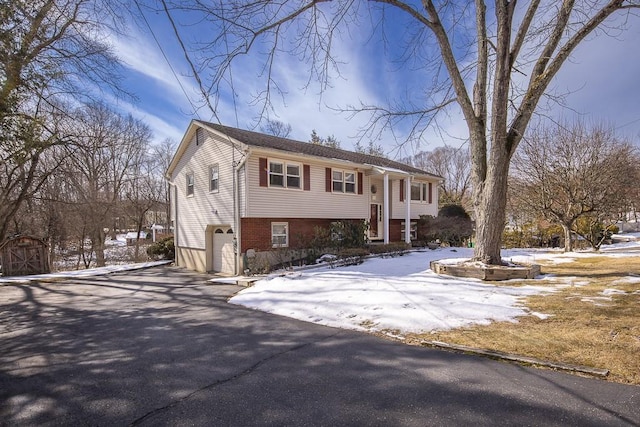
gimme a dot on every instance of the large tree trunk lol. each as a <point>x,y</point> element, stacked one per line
<point>490,205</point>
<point>97,241</point>
<point>568,244</point>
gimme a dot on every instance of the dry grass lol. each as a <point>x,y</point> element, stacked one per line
<point>584,327</point>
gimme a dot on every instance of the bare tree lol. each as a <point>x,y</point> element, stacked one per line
<point>105,157</point>
<point>494,61</point>
<point>162,154</point>
<point>49,50</point>
<point>144,191</point>
<point>454,165</point>
<point>276,128</point>
<point>578,177</point>
<point>25,142</point>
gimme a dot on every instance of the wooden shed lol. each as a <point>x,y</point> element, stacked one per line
<point>22,255</point>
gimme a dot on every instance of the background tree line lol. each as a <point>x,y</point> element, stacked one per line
<point>71,168</point>
<point>569,180</point>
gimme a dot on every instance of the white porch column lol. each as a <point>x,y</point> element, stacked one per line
<point>386,208</point>
<point>407,210</point>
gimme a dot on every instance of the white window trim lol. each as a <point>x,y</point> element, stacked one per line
<point>217,168</point>
<point>284,174</point>
<point>424,193</point>
<point>299,176</point>
<point>344,173</point>
<point>286,234</point>
<point>414,229</point>
<point>193,184</point>
<point>420,195</point>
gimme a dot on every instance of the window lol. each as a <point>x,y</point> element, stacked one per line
<point>293,176</point>
<point>349,182</point>
<point>337,181</point>
<point>213,178</point>
<point>285,175</point>
<point>419,192</point>
<point>190,183</point>
<point>416,190</point>
<point>280,234</point>
<point>343,181</point>
<point>276,174</point>
<point>413,232</point>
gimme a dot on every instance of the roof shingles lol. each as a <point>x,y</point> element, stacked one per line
<point>283,144</point>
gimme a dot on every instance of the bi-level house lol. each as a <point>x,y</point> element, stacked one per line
<point>234,191</point>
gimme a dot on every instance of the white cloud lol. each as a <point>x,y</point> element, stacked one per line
<point>141,54</point>
<point>604,70</point>
<point>160,127</point>
<point>602,77</point>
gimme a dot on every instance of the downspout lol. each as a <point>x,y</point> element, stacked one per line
<point>174,197</point>
<point>407,212</point>
<point>237,246</point>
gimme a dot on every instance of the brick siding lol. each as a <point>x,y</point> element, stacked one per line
<point>256,232</point>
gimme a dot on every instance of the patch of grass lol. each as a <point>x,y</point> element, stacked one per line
<point>586,326</point>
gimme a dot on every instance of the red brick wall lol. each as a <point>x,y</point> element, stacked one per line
<point>395,230</point>
<point>256,232</point>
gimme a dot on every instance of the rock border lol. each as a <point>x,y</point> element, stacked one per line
<point>487,272</point>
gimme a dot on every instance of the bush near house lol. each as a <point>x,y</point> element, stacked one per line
<point>452,226</point>
<point>390,249</point>
<point>162,249</point>
<point>339,236</point>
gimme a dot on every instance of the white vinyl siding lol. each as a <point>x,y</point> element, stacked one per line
<point>273,202</point>
<point>417,208</point>
<point>193,214</point>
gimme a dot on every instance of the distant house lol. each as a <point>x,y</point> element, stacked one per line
<point>132,236</point>
<point>234,191</point>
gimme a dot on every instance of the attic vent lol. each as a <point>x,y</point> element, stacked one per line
<point>199,137</point>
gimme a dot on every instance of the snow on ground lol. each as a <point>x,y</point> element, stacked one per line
<point>402,295</point>
<point>116,252</point>
<point>82,273</point>
<point>397,294</point>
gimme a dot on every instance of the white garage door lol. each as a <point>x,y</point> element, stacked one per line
<point>223,251</point>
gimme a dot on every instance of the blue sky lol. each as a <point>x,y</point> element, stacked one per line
<point>601,81</point>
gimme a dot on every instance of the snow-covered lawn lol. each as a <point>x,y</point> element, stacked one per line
<point>402,295</point>
<point>399,295</point>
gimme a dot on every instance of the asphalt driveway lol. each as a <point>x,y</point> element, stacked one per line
<point>163,347</point>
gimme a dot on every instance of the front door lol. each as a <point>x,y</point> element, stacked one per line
<point>375,221</point>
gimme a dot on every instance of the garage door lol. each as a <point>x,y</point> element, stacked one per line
<point>223,251</point>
